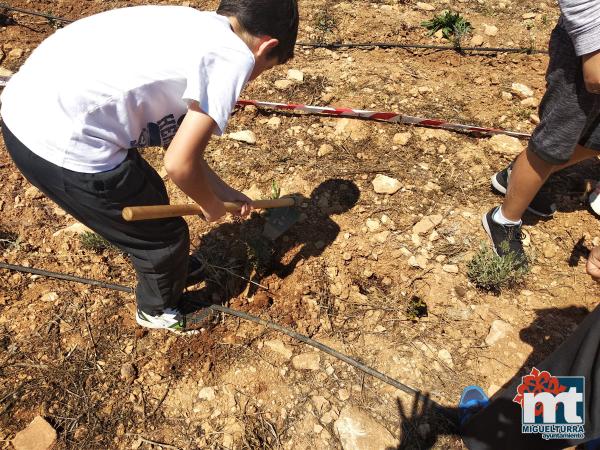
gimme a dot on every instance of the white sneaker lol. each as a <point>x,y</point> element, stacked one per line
<point>170,319</point>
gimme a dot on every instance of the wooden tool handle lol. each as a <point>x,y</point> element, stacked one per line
<point>134,213</point>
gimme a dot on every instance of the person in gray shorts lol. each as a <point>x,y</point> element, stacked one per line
<point>568,131</point>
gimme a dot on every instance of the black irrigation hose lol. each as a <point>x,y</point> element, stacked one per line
<point>34,13</point>
<point>242,315</point>
<point>337,45</point>
<point>367,45</point>
<point>60,276</point>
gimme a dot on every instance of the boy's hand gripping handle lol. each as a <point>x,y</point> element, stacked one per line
<point>133,213</point>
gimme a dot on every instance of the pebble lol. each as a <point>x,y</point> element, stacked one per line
<point>522,91</point>
<point>373,225</point>
<point>402,138</point>
<point>505,145</point>
<point>38,435</point>
<point>425,6</point>
<point>207,393</point>
<point>296,75</point>
<point>446,357</point>
<point>246,136</point>
<point>356,429</point>
<point>383,184</point>
<point>507,95</point>
<point>490,30</point>
<point>49,297</point>
<point>128,372</point>
<point>530,102</point>
<point>274,122</point>
<point>477,40</point>
<point>499,330</point>
<point>306,361</point>
<point>277,346</point>
<point>427,224</point>
<point>450,268</point>
<point>324,150</point>
<point>418,261</point>
<point>282,85</point>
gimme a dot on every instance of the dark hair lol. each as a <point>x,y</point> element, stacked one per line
<point>275,18</point>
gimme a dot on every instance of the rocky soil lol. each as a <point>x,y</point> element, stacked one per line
<point>376,267</point>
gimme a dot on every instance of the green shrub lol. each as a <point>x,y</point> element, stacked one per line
<point>491,272</point>
<point>453,26</point>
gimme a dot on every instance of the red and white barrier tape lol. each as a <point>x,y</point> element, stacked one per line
<point>382,116</point>
<point>369,115</point>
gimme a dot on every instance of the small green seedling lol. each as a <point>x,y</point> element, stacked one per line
<point>416,308</point>
<point>453,26</point>
<point>94,242</point>
<point>491,272</point>
<point>275,190</point>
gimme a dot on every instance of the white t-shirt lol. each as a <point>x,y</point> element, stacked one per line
<point>123,79</point>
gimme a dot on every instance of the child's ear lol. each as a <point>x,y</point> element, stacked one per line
<point>266,44</point>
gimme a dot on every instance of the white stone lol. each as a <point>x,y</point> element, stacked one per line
<point>450,268</point>
<point>506,145</point>
<point>282,85</point>
<point>306,361</point>
<point>49,297</point>
<point>382,236</point>
<point>418,261</point>
<point>324,149</point>
<point>76,228</point>
<point>490,30</point>
<point>246,136</point>
<point>402,138</point>
<point>373,225</point>
<point>507,95</point>
<point>477,40</point>
<point>499,330</point>
<point>357,430</point>
<point>425,6</point>
<point>296,75</point>
<point>427,224</point>
<point>521,91</point>
<point>530,102</point>
<point>274,122</point>
<point>38,435</point>
<point>280,348</point>
<point>207,393</point>
<point>446,357</point>
<point>385,185</point>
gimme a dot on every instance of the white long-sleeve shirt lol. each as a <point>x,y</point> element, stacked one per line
<point>581,19</point>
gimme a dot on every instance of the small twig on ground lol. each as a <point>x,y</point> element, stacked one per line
<point>158,444</point>
<point>239,276</point>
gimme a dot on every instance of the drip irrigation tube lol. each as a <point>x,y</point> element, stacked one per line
<point>445,412</point>
<point>369,45</point>
<point>337,45</point>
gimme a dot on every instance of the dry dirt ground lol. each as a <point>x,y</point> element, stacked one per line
<point>345,275</point>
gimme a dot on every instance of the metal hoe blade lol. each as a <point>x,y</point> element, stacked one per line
<point>279,221</point>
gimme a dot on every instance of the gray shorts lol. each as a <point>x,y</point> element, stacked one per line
<point>569,114</point>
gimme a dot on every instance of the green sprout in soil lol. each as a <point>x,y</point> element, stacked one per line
<point>275,190</point>
<point>453,26</point>
<point>94,242</point>
<point>416,308</point>
<point>324,23</point>
<point>491,272</point>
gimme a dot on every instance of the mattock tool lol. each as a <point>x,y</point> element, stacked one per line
<point>282,217</point>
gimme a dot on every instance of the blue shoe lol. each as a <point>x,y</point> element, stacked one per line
<point>472,400</point>
<point>592,445</point>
